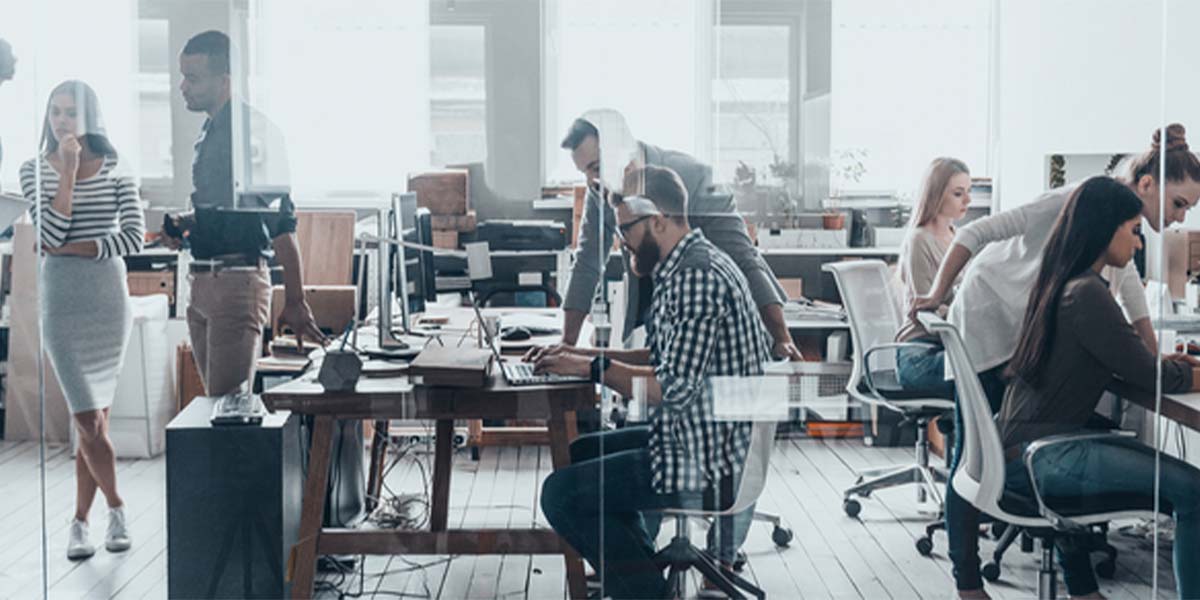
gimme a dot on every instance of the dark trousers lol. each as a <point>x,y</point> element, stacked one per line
<point>597,506</point>
<point>1109,475</point>
<point>725,538</point>
<point>962,518</point>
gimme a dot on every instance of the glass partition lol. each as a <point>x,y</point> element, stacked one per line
<point>800,263</point>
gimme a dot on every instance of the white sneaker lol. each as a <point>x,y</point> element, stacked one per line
<point>79,548</point>
<point>117,538</point>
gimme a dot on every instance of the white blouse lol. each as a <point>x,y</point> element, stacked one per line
<point>1006,251</point>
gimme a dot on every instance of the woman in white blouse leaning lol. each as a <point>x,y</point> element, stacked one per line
<point>1005,254</point>
<point>88,219</point>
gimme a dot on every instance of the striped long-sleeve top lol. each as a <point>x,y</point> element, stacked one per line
<point>105,209</point>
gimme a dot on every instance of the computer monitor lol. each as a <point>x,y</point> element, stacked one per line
<point>412,224</point>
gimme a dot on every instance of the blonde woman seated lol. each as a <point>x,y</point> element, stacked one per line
<point>945,196</point>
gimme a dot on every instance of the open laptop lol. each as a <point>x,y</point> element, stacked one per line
<point>519,373</point>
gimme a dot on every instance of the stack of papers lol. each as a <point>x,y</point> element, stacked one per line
<point>813,310</point>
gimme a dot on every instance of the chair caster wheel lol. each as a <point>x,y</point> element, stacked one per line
<point>990,571</point>
<point>852,507</point>
<point>781,536</point>
<point>1106,568</point>
<point>739,562</point>
<point>925,546</point>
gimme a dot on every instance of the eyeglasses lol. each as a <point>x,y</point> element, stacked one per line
<point>624,228</point>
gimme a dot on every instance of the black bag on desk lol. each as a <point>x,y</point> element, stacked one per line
<point>346,495</point>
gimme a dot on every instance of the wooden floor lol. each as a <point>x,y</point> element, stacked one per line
<point>832,556</point>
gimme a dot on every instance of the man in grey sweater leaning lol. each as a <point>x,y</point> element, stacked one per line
<point>713,213</point>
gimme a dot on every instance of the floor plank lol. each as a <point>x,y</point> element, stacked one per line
<point>831,556</point>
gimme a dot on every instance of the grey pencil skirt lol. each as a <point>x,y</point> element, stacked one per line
<point>86,320</point>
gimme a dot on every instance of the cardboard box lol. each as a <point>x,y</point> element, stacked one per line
<point>443,192</point>
<point>146,283</point>
<point>332,305</point>
<point>445,239</point>
<point>459,223</point>
<point>188,383</point>
<point>793,286</point>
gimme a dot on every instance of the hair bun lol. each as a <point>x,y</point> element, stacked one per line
<point>1176,138</point>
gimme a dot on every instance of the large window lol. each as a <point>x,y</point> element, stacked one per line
<point>910,83</point>
<point>457,94</point>
<point>154,100</point>
<point>752,96</point>
<point>643,58</point>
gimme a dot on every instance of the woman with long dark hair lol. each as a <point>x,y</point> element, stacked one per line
<point>1074,341</point>
<point>90,216</point>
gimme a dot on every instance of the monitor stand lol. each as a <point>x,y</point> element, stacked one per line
<point>396,347</point>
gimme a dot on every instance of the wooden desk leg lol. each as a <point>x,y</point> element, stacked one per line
<point>379,443</point>
<point>562,431</point>
<point>312,509</point>
<point>442,458</point>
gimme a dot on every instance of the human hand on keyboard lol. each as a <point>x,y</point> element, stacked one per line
<point>563,363</point>
<point>537,352</point>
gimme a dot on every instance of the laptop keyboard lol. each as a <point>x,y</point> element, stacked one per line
<point>522,373</point>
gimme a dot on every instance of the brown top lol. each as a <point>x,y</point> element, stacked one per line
<point>920,260</point>
<point>1092,344</point>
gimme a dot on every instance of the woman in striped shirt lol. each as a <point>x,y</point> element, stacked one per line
<point>89,216</point>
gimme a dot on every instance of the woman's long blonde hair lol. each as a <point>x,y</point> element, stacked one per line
<point>933,189</point>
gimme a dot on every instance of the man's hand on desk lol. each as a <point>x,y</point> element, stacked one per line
<point>1184,358</point>
<point>564,363</point>
<point>787,350</point>
<point>298,316</point>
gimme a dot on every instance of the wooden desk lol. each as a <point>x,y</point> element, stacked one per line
<point>387,398</point>
<point>460,320</point>
<point>1181,408</point>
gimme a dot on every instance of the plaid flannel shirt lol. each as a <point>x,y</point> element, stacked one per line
<point>703,323</point>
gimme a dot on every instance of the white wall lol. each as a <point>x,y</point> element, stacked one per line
<point>1074,76</point>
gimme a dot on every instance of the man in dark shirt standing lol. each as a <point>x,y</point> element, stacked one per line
<point>230,280</point>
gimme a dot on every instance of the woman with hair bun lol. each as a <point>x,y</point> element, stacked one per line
<point>1005,255</point>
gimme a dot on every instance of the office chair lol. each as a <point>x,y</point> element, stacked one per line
<point>680,555</point>
<point>980,476</point>
<point>874,317</point>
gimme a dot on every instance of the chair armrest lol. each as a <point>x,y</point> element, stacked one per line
<point>887,346</point>
<point>1058,521</point>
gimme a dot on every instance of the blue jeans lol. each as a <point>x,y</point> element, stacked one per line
<point>597,504</point>
<point>922,369</point>
<point>1113,475</point>
<point>724,538</point>
<point>962,518</point>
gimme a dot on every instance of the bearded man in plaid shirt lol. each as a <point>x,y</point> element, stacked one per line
<point>703,324</point>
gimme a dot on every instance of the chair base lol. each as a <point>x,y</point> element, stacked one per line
<point>930,480</point>
<point>680,555</point>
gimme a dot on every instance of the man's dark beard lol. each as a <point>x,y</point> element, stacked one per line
<point>646,257</point>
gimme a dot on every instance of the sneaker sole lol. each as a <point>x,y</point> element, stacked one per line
<point>118,547</point>
<point>80,554</point>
